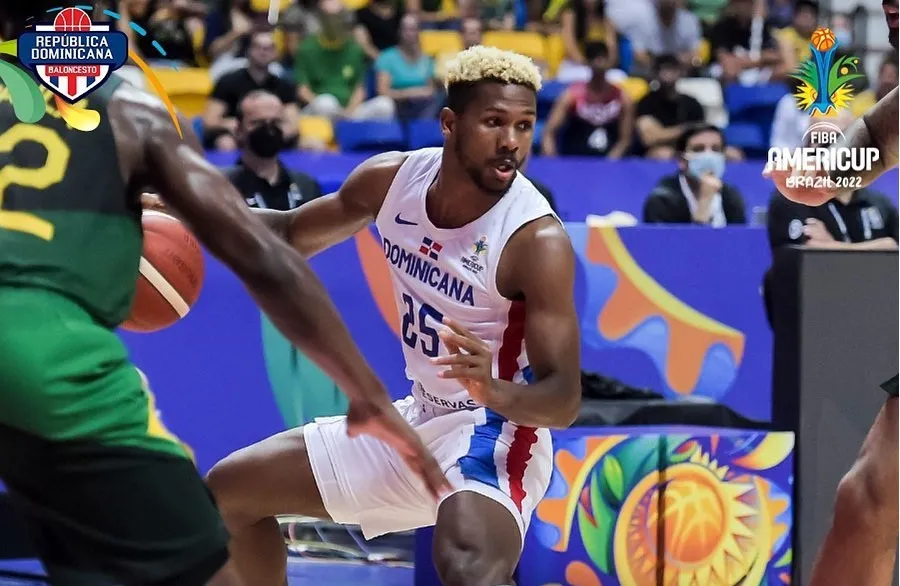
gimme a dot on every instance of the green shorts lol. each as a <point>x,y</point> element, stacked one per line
<point>109,494</point>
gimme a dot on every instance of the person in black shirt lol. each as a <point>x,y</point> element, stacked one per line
<point>219,118</point>
<point>863,219</point>
<point>664,114</point>
<point>377,26</point>
<point>259,176</point>
<point>730,46</point>
<point>697,194</point>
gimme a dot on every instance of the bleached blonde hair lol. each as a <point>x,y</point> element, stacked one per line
<point>480,63</point>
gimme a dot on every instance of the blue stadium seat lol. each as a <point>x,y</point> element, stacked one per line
<point>626,54</point>
<point>538,135</point>
<point>424,133</point>
<point>742,101</point>
<point>749,137</point>
<point>197,124</point>
<point>548,94</point>
<point>369,135</point>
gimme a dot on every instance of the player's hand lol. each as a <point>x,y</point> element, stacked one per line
<point>470,361</point>
<point>809,196</point>
<point>816,231</point>
<point>383,422</point>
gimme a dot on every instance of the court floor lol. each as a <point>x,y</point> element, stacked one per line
<point>300,571</point>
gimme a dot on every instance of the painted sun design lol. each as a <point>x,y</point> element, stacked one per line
<point>709,524</point>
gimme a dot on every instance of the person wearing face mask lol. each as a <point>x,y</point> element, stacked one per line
<point>663,114</point>
<point>259,176</point>
<point>697,194</point>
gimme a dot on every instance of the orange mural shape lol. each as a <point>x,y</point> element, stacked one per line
<point>638,297</point>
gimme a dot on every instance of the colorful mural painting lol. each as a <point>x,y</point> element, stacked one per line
<point>669,508</point>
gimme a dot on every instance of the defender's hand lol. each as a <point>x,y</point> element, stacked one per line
<point>470,361</point>
<point>384,422</point>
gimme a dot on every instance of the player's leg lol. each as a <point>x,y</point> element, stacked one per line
<point>318,471</point>
<point>253,485</point>
<point>477,541</point>
<point>861,545</point>
<point>107,489</point>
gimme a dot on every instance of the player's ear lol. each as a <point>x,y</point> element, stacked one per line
<point>448,121</point>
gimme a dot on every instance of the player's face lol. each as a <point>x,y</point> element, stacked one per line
<point>493,136</point>
<point>892,15</point>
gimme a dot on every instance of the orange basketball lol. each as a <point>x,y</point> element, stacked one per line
<point>171,274</point>
<point>823,39</point>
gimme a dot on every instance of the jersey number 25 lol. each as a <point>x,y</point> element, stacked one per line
<point>427,336</point>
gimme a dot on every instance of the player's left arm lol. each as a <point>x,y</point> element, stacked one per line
<point>541,270</point>
<point>877,128</point>
<point>626,129</point>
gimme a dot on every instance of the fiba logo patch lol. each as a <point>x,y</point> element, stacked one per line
<point>72,57</point>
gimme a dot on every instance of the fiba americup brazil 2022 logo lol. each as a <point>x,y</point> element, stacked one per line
<point>71,57</point>
<point>824,90</point>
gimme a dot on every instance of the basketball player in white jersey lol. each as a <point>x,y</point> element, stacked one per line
<point>861,546</point>
<point>482,269</point>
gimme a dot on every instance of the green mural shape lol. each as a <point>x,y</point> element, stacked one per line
<point>302,391</point>
<point>24,92</point>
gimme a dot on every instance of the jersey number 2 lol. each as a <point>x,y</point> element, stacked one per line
<point>427,336</point>
<point>50,173</point>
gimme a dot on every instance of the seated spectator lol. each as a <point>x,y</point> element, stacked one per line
<point>170,23</point>
<point>594,118</point>
<point>663,114</point>
<point>730,48</point>
<point>219,117</point>
<point>259,176</point>
<point>498,15</point>
<point>793,41</point>
<point>430,12</point>
<point>471,30</point>
<point>330,68</point>
<point>406,75</point>
<point>887,76</point>
<point>790,122</point>
<point>584,22</point>
<point>377,26</point>
<point>864,219</point>
<point>669,30</point>
<point>842,27</point>
<point>697,194</point>
<point>225,33</point>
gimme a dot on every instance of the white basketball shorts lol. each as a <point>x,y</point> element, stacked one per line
<point>363,482</point>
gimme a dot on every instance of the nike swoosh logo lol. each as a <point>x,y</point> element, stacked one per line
<point>403,222</point>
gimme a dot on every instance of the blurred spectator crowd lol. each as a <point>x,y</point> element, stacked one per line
<point>625,78</point>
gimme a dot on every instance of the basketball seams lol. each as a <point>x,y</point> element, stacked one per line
<point>164,288</point>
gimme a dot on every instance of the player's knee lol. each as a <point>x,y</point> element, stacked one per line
<point>224,481</point>
<point>866,496</point>
<point>458,565</point>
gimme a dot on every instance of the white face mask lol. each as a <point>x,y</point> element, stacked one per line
<point>844,37</point>
<point>699,164</point>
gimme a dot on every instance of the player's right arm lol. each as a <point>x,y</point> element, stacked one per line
<point>152,153</point>
<point>329,220</point>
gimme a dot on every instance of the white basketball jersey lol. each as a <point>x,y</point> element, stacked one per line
<point>440,272</point>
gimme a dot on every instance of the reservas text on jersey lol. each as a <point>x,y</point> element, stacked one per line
<point>428,273</point>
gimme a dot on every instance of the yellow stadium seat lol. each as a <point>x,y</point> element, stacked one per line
<point>704,51</point>
<point>317,128</point>
<point>188,88</point>
<point>355,4</point>
<point>263,5</point>
<point>525,43</point>
<point>278,37</point>
<point>436,42</point>
<point>198,35</point>
<point>634,87</point>
<point>556,52</point>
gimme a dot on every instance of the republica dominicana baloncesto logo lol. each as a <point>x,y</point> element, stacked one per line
<point>824,90</point>
<point>71,57</point>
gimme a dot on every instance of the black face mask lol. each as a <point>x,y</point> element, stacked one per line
<point>266,141</point>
